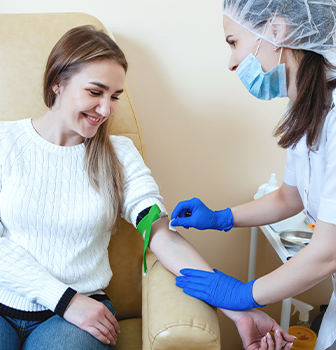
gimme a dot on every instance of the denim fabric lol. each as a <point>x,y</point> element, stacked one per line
<point>53,334</point>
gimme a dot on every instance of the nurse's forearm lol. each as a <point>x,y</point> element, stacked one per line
<point>273,207</point>
<point>305,269</point>
<point>290,279</point>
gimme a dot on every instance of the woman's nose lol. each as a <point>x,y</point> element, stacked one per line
<point>232,64</point>
<point>105,107</point>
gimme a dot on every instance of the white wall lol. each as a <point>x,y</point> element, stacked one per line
<point>205,135</point>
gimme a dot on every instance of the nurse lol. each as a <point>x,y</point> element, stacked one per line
<point>282,49</point>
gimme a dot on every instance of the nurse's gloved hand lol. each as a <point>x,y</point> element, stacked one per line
<point>194,213</point>
<point>217,289</point>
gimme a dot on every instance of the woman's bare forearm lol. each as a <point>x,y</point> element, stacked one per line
<point>173,251</point>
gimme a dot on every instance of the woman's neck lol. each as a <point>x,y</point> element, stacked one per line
<point>51,129</point>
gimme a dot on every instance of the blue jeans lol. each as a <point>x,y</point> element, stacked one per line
<point>53,334</point>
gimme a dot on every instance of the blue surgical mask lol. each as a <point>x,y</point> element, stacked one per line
<point>264,86</point>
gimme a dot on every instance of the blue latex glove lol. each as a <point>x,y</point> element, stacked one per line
<point>217,289</point>
<point>201,216</point>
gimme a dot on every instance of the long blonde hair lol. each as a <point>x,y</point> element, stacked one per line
<point>76,47</point>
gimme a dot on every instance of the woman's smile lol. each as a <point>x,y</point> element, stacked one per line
<point>93,121</point>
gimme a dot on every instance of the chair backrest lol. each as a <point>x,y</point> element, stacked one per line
<point>25,43</point>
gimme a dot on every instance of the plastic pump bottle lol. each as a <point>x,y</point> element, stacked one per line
<point>306,338</point>
<point>303,309</point>
<point>272,184</point>
<point>266,188</point>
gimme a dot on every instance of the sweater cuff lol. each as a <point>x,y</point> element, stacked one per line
<point>64,301</point>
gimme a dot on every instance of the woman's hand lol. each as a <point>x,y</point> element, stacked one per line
<point>254,327</point>
<point>93,317</point>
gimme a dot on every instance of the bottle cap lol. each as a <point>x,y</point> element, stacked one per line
<point>305,338</point>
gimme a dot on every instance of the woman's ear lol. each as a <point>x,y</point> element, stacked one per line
<point>56,88</point>
<point>276,30</point>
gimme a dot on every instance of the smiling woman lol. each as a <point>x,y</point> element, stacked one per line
<point>77,177</point>
<point>84,76</point>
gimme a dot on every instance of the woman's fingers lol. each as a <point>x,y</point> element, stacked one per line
<point>99,335</point>
<point>99,326</point>
<point>278,340</point>
<point>267,343</point>
<point>270,342</point>
<point>263,344</point>
<point>104,334</point>
<point>93,317</point>
<point>113,321</point>
<point>105,323</point>
<point>108,328</point>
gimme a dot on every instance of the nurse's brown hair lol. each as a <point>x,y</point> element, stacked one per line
<point>77,47</point>
<point>307,115</point>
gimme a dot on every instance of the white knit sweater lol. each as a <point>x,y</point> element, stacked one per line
<point>51,237</point>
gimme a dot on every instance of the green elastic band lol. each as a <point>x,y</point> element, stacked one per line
<point>145,227</point>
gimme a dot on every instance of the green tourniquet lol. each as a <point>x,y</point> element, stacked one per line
<point>145,227</point>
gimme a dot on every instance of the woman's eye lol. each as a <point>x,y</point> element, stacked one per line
<point>94,93</point>
<point>232,43</point>
<point>115,98</point>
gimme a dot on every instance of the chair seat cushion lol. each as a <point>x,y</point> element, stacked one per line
<point>130,335</point>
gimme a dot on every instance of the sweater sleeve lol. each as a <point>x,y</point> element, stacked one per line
<point>24,276</point>
<point>141,191</point>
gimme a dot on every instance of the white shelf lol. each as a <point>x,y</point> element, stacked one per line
<point>271,232</point>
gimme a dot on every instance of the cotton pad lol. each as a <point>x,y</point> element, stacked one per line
<point>172,228</point>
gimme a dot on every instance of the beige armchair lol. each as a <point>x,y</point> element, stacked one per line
<point>152,312</point>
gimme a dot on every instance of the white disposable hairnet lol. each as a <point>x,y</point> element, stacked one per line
<point>310,24</point>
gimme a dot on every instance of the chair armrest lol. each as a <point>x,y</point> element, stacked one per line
<point>171,318</point>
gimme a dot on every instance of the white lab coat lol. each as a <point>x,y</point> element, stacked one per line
<point>313,172</point>
<point>327,334</point>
